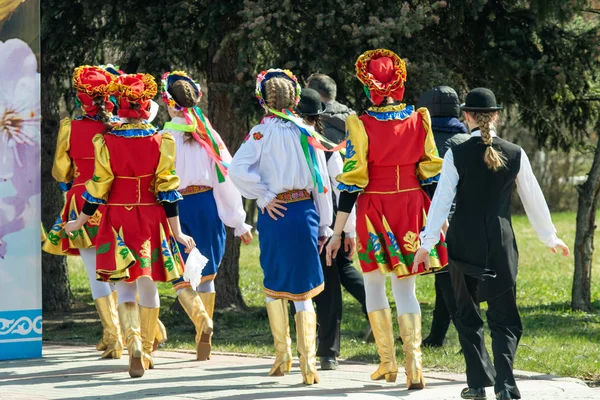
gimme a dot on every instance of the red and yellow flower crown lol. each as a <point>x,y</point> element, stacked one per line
<point>135,88</point>
<point>383,74</point>
<point>92,81</point>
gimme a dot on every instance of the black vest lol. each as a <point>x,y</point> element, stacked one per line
<point>481,240</point>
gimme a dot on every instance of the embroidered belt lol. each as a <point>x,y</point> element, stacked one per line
<point>292,196</point>
<point>194,189</point>
<point>392,179</point>
<point>132,191</point>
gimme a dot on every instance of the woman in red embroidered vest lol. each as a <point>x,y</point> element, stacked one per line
<point>390,156</point>
<point>211,201</point>
<point>73,167</point>
<point>135,178</point>
<point>278,166</point>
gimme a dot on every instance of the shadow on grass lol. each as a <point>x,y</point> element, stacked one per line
<point>556,319</point>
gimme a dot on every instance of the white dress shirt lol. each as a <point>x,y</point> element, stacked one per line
<point>335,166</point>
<point>272,161</point>
<point>528,189</point>
<point>195,168</point>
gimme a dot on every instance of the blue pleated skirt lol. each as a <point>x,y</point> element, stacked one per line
<point>199,219</point>
<point>289,254</point>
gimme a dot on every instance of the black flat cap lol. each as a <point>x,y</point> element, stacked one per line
<point>441,101</point>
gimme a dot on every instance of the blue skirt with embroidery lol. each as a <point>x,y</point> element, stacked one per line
<point>199,219</point>
<point>289,254</point>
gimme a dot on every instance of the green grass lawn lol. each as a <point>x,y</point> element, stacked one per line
<point>555,340</point>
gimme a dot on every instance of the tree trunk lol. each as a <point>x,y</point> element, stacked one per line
<point>589,194</point>
<point>220,74</point>
<point>251,211</point>
<point>56,292</point>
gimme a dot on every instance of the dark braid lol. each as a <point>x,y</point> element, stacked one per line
<point>183,93</point>
<point>185,96</point>
<point>104,116</point>
<point>316,120</point>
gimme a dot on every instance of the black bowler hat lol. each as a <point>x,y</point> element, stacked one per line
<point>441,101</point>
<point>310,103</point>
<point>480,99</point>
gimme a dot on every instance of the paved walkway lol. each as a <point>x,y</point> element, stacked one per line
<point>76,372</point>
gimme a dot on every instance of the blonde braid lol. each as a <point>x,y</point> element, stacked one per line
<point>280,93</point>
<point>493,158</point>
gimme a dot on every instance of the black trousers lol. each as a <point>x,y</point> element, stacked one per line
<point>445,307</point>
<point>506,329</point>
<point>329,301</point>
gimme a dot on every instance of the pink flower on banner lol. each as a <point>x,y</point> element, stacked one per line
<point>19,106</point>
<point>19,138</point>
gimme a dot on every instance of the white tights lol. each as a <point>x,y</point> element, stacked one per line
<point>99,289</point>
<point>403,290</point>
<point>206,287</point>
<point>145,287</point>
<point>306,305</point>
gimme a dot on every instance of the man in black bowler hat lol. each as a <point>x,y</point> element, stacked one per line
<point>483,257</point>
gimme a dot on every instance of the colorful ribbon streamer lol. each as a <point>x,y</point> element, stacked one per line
<point>310,141</point>
<point>200,130</point>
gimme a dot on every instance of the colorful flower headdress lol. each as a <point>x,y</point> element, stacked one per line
<point>264,76</point>
<point>309,138</point>
<point>170,78</point>
<point>197,125</point>
<point>382,73</point>
<point>92,82</point>
<point>134,89</point>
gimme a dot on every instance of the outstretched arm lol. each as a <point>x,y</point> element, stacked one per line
<point>438,211</point>
<point>536,208</point>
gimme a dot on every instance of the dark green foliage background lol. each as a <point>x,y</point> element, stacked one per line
<point>541,57</point>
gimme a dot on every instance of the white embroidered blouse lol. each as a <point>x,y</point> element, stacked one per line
<point>528,189</point>
<point>271,161</point>
<point>195,168</point>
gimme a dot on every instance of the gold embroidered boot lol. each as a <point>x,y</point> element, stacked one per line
<point>111,339</point>
<point>149,327</point>
<point>381,324</point>
<point>306,338</point>
<point>192,304</point>
<point>280,328</point>
<point>161,335</point>
<point>129,317</point>
<point>114,298</point>
<point>208,300</point>
<point>410,331</point>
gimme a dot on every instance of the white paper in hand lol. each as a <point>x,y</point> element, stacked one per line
<point>193,268</point>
